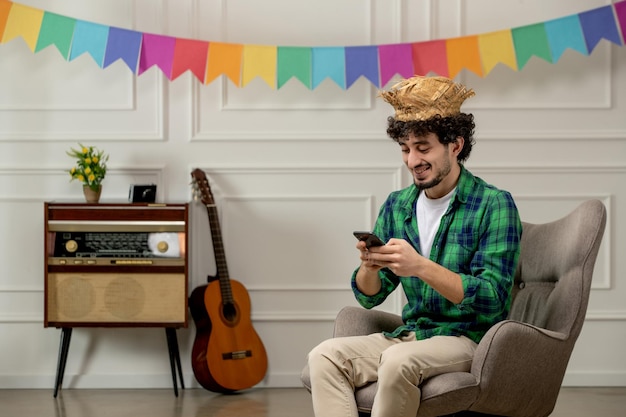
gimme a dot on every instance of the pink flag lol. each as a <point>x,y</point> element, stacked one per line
<point>395,59</point>
<point>157,50</point>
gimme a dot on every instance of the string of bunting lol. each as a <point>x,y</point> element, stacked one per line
<point>276,65</point>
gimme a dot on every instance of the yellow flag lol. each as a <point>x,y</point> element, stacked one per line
<point>497,47</point>
<point>259,61</point>
<point>23,21</point>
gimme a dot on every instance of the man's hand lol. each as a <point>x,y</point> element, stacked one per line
<point>403,260</point>
<point>397,255</point>
<point>366,259</point>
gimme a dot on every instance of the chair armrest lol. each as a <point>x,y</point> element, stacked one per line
<point>357,321</point>
<point>520,368</point>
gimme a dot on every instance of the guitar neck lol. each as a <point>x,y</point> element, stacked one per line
<point>220,254</point>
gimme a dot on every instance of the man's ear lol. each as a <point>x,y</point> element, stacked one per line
<point>457,145</point>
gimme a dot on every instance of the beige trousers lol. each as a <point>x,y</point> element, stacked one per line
<point>338,366</point>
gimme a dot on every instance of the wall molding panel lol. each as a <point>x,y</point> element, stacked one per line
<point>293,171</point>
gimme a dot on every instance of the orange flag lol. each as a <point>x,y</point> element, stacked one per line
<point>23,21</point>
<point>5,9</point>
<point>260,61</point>
<point>224,58</point>
<point>497,47</point>
<point>463,53</point>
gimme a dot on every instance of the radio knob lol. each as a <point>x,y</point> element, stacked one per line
<point>71,246</point>
<point>162,246</point>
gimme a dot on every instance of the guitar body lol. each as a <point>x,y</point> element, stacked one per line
<point>202,321</point>
<point>235,354</point>
<point>228,354</point>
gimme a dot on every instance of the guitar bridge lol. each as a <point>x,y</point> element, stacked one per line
<point>239,354</point>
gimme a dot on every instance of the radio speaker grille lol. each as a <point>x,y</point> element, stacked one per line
<point>116,298</point>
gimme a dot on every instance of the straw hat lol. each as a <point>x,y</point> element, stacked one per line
<point>420,98</point>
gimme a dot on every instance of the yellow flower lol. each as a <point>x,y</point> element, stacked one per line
<point>91,165</point>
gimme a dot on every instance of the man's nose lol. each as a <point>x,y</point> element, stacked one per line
<point>414,159</point>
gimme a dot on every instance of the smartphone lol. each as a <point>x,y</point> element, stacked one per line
<point>369,238</point>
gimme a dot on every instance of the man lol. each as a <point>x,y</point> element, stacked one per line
<point>452,244</point>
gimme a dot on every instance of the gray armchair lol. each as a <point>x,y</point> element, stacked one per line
<point>519,365</point>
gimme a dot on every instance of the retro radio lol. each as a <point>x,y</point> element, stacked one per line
<point>116,264</point>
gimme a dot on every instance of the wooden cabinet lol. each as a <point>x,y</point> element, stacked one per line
<point>116,265</point>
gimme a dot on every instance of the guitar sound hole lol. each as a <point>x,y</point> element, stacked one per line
<point>229,311</point>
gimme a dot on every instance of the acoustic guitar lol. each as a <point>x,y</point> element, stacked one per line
<point>227,353</point>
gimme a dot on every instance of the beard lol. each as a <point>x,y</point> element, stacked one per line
<point>439,176</point>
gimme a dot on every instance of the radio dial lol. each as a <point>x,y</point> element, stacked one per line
<point>162,246</point>
<point>71,246</point>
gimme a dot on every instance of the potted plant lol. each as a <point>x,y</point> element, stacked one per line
<point>90,170</point>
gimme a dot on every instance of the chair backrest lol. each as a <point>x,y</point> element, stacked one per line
<point>553,277</point>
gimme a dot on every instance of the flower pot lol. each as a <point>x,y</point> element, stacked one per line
<point>92,196</point>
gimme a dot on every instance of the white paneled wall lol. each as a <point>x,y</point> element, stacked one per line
<point>293,171</point>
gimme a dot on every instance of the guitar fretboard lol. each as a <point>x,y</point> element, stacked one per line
<point>220,254</point>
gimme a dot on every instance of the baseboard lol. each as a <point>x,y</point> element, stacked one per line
<point>594,379</point>
<point>156,381</point>
<point>285,380</point>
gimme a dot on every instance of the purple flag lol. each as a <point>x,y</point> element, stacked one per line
<point>362,61</point>
<point>123,44</point>
<point>599,24</point>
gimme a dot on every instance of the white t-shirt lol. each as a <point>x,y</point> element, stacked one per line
<point>429,213</point>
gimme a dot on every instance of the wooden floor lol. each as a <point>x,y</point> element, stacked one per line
<point>274,402</point>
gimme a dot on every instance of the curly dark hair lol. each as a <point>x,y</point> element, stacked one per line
<point>447,130</point>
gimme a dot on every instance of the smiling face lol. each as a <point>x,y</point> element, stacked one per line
<point>434,166</point>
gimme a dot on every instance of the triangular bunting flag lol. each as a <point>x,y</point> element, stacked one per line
<point>463,53</point>
<point>531,40</point>
<point>362,61</point>
<point>23,21</point>
<point>91,38</point>
<point>496,48</point>
<point>395,59</point>
<point>565,33</point>
<point>429,57</point>
<point>56,30</point>
<point>259,61</point>
<point>5,9</point>
<point>224,58</point>
<point>190,55</point>
<point>157,50</point>
<point>294,61</point>
<point>620,12</point>
<point>329,62</point>
<point>598,24</point>
<point>125,45</point>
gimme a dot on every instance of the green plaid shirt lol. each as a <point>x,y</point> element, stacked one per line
<point>478,238</point>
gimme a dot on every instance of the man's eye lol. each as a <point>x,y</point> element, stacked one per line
<point>423,150</point>
<point>404,150</point>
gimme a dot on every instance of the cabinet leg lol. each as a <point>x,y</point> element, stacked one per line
<point>174,354</point>
<point>64,347</point>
